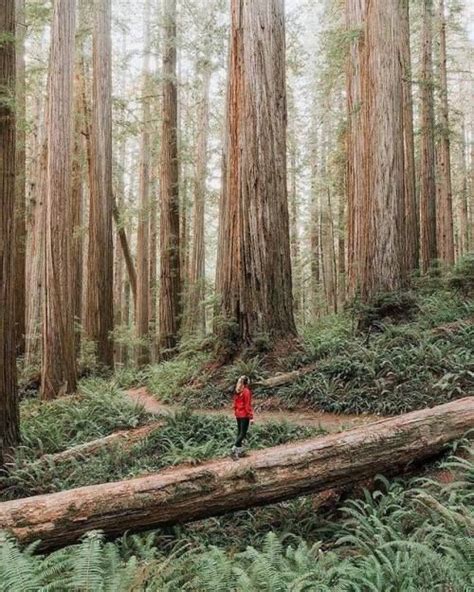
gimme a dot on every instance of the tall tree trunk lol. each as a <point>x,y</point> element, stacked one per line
<point>58,375</point>
<point>255,284</point>
<point>20,187</point>
<point>78,199</point>
<point>445,233</point>
<point>314,234</point>
<point>99,304</point>
<point>379,159</point>
<point>143,230</point>
<point>427,158</point>
<point>35,259</point>
<point>412,231</point>
<point>170,272</point>
<point>463,205</point>
<point>196,312</point>
<point>9,414</point>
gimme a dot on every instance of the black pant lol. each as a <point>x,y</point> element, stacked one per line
<point>242,429</point>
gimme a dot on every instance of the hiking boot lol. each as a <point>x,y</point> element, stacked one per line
<point>236,453</point>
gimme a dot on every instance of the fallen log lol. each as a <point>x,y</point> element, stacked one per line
<point>191,493</point>
<point>125,438</point>
<point>285,377</point>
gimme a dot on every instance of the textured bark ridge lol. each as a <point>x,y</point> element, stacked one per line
<point>427,154</point>
<point>170,271</point>
<point>376,175</point>
<point>191,493</point>
<point>9,415</point>
<point>58,374</point>
<point>99,318</point>
<point>253,268</point>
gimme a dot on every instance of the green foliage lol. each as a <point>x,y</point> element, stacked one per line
<point>97,411</point>
<point>185,438</point>
<point>404,366</point>
<point>462,275</point>
<point>392,307</point>
<point>168,379</point>
<point>390,540</point>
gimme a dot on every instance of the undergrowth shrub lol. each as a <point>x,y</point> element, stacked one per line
<point>168,379</point>
<point>99,409</point>
<point>462,276</point>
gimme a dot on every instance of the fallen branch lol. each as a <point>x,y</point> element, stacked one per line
<point>125,438</point>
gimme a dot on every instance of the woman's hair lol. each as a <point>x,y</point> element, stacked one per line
<point>241,384</point>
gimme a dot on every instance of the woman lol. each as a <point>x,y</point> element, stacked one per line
<point>243,413</point>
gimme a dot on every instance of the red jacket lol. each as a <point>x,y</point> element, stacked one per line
<point>243,404</point>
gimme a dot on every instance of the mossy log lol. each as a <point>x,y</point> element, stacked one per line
<point>184,494</point>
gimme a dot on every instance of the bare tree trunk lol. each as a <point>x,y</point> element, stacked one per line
<point>314,232</point>
<point>78,200</point>
<point>143,230</point>
<point>427,157</point>
<point>412,231</point>
<point>184,494</point>
<point>99,318</point>
<point>58,375</point>
<point>445,233</point>
<point>463,209</point>
<point>170,272</point>
<point>35,260</point>
<point>20,187</point>
<point>196,311</point>
<point>9,413</point>
<point>377,167</point>
<point>255,283</point>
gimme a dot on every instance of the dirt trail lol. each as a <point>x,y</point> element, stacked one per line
<point>330,422</point>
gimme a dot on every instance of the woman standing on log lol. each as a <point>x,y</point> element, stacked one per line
<point>243,413</point>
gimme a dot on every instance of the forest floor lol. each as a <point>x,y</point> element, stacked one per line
<point>326,421</point>
<point>410,534</point>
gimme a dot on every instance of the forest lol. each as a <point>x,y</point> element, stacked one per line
<point>237,295</point>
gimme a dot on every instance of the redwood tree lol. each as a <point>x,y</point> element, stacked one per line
<point>444,205</point>
<point>427,157</point>
<point>143,234</point>
<point>9,415</point>
<point>170,269</point>
<point>254,270</point>
<point>99,299</point>
<point>20,197</point>
<point>196,315</point>
<point>58,374</point>
<point>376,152</point>
<point>412,231</point>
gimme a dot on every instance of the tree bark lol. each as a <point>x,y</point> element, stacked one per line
<point>412,230</point>
<point>143,230</point>
<point>9,413</point>
<point>427,158</point>
<point>170,269</point>
<point>377,151</point>
<point>184,494</point>
<point>463,205</point>
<point>444,196</point>
<point>127,253</point>
<point>99,299</point>
<point>254,278</point>
<point>58,375</point>
<point>20,187</point>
